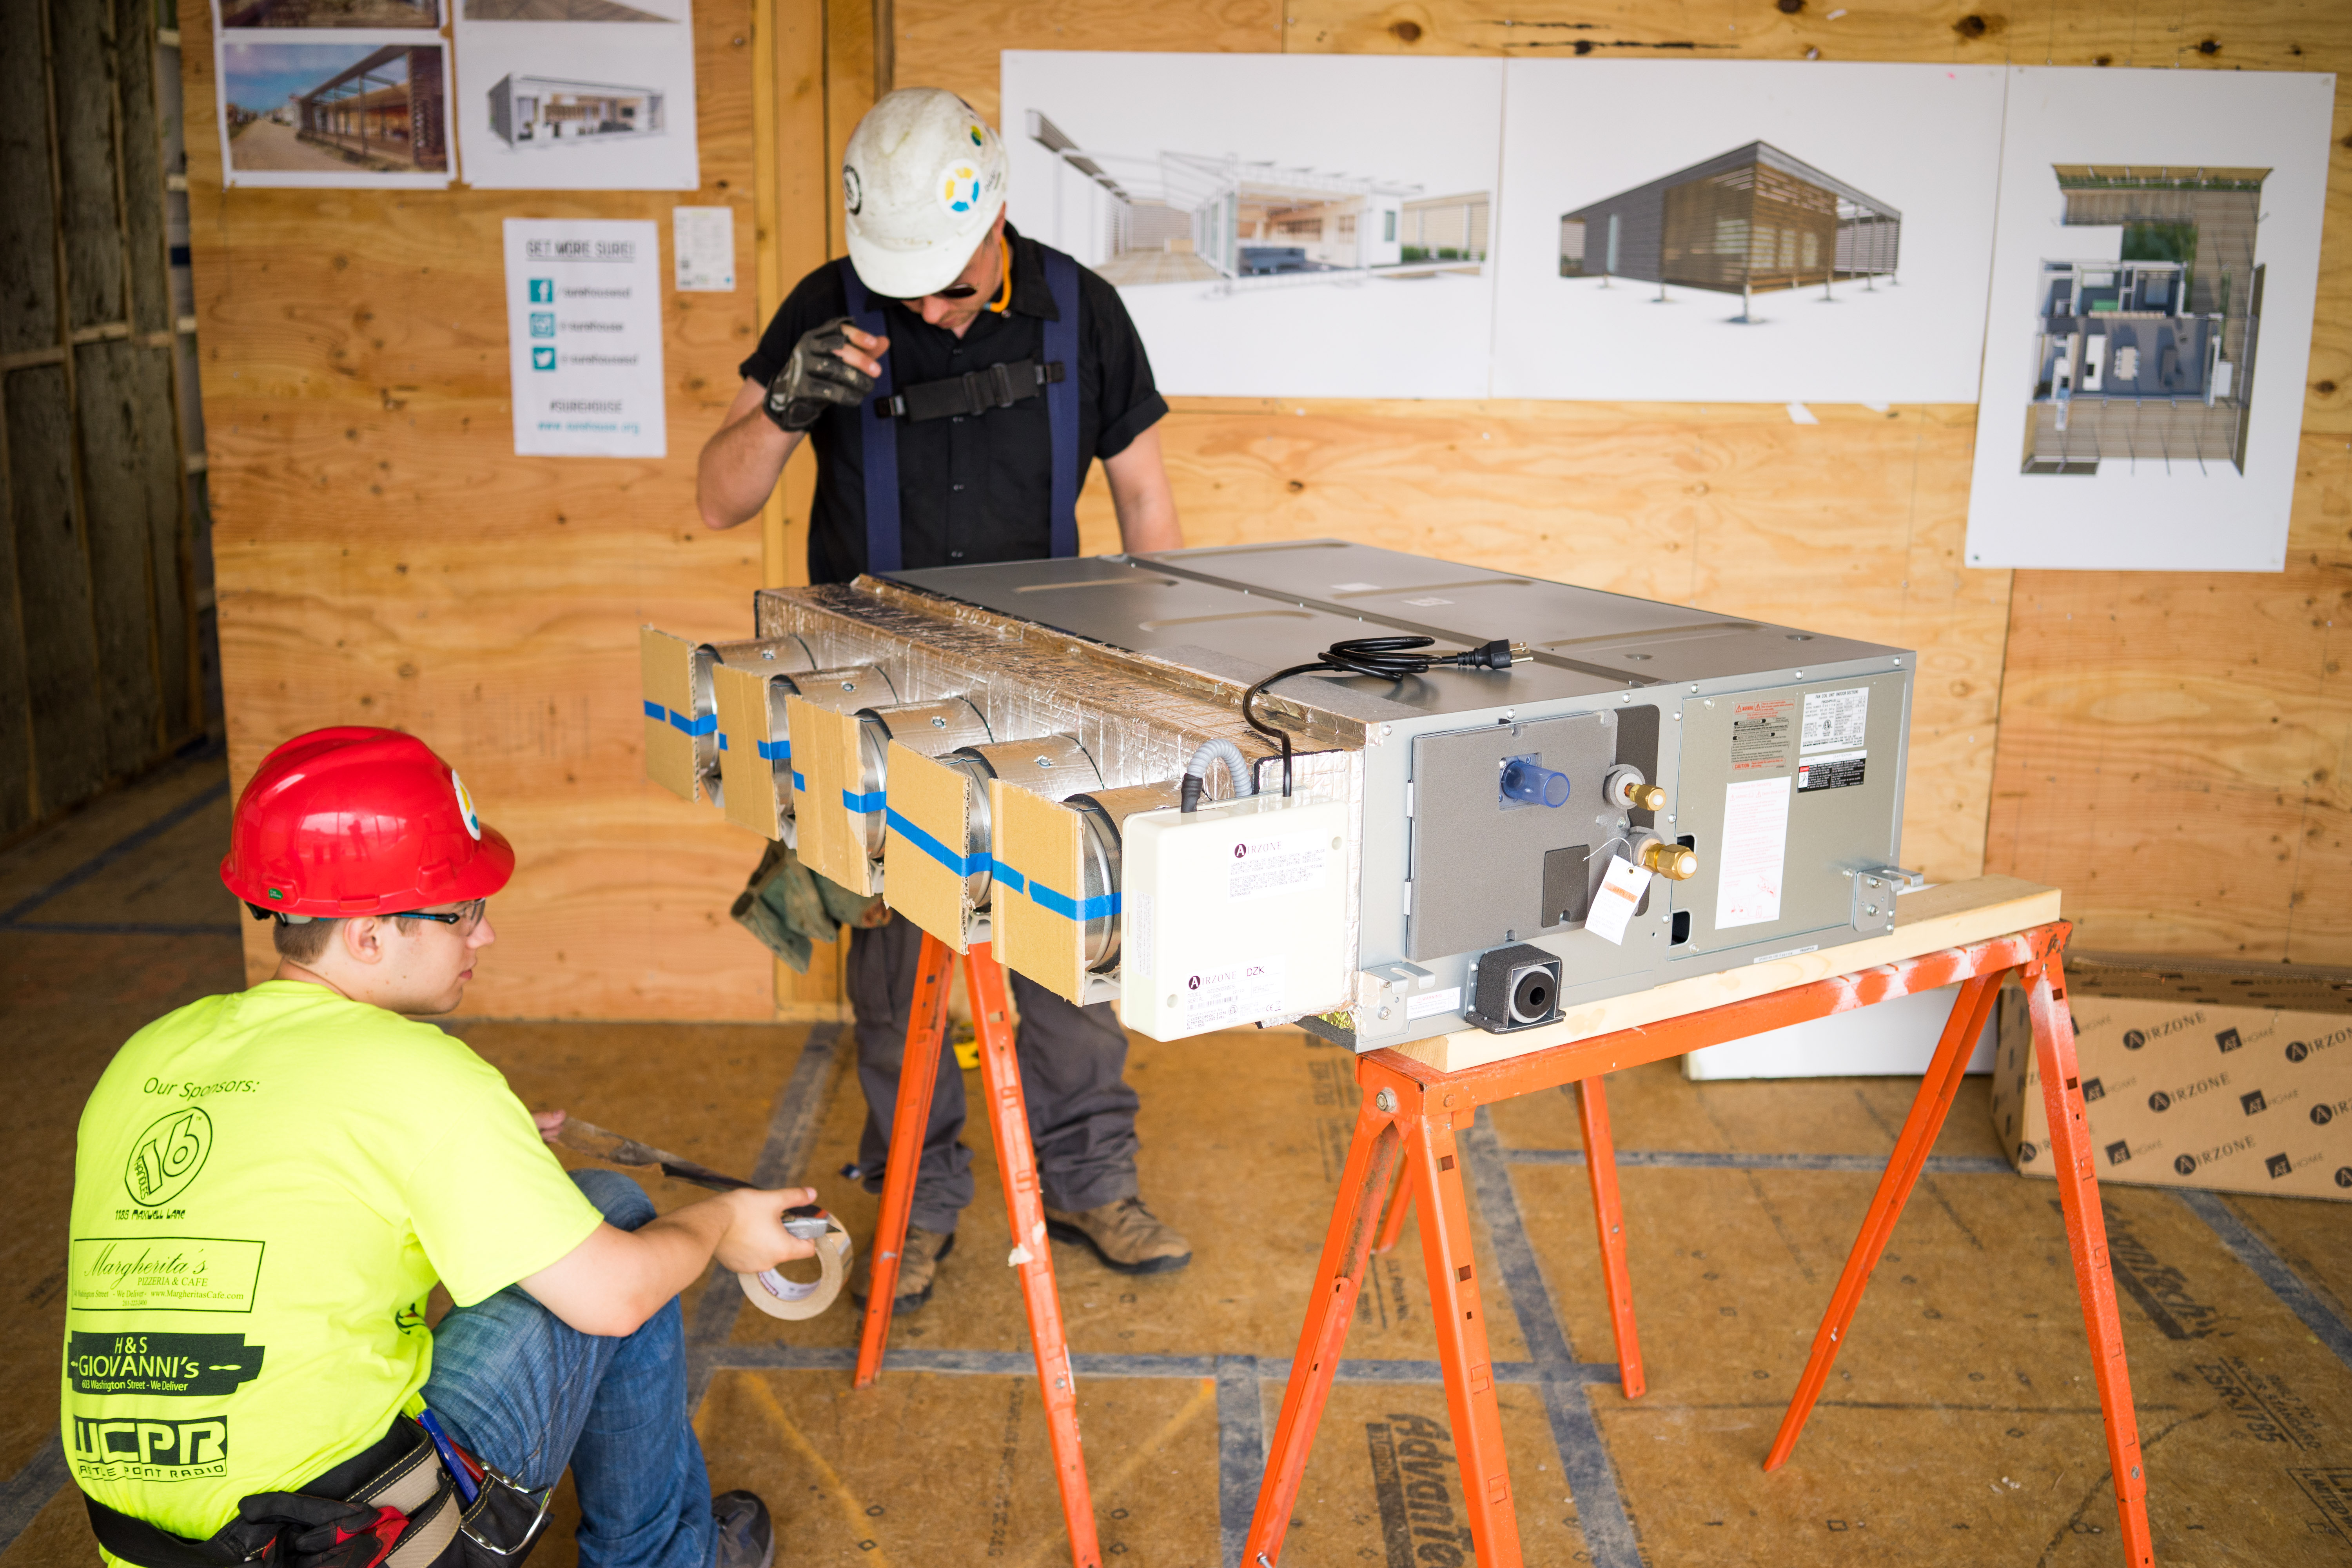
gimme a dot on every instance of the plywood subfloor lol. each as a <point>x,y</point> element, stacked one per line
<point>1960,1426</point>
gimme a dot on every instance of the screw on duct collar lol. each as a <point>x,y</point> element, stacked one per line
<point>1384,1099</point>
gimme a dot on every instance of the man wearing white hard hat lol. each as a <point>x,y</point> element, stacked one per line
<point>956,380</point>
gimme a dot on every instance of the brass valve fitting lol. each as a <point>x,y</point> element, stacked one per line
<point>1675,862</point>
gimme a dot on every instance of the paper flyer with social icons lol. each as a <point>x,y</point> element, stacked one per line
<point>584,337</point>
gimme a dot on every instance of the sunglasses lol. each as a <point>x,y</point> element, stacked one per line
<point>952,291</point>
<point>465,917</point>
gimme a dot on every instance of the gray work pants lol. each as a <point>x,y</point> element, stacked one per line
<point>1081,1113</point>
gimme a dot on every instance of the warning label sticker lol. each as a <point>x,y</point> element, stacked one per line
<point>1279,863</point>
<point>1833,770</point>
<point>1835,721</point>
<point>1761,730</point>
<point>1238,994</point>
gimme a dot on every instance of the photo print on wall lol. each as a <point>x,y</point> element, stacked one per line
<point>1745,231</point>
<point>2153,288</point>
<point>325,109</point>
<point>1276,225</point>
<point>577,95</point>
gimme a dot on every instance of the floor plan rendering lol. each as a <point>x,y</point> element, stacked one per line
<point>2145,329</point>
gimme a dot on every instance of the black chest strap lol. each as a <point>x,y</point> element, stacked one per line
<point>976,391</point>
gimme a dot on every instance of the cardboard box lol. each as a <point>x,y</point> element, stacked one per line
<point>2229,1078</point>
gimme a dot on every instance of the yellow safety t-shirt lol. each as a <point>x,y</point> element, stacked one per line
<point>265,1187</point>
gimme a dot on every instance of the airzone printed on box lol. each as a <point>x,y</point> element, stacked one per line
<point>2231,1080</point>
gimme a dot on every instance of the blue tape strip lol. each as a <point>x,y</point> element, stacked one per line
<point>776,751</point>
<point>866,804</point>
<point>961,864</point>
<point>799,782</point>
<point>1006,875</point>
<point>706,725</point>
<point>723,740</point>
<point>1062,904</point>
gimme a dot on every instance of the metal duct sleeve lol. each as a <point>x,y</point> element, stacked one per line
<point>1056,766</point>
<point>930,728</point>
<point>788,654</point>
<point>847,689</point>
<point>1105,812</point>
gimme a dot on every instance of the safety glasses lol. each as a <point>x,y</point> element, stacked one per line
<point>464,917</point>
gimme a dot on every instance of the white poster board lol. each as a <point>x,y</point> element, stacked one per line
<point>1732,231</point>
<point>1276,225</point>
<point>2150,323</point>
<point>315,101</point>
<point>584,337</point>
<point>577,95</point>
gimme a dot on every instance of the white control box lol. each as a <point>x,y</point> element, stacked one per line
<point>1232,915</point>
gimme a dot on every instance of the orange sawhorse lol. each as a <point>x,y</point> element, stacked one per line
<point>1016,1162</point>
<point>1412,1115</point>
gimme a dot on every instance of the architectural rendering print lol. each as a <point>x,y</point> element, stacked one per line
<point>541,111</point>
<point>1188,217</point>
<point>1746,222</point>
<point>2146,326</point>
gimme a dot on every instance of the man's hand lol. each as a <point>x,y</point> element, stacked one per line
<point>755,1238</point>
<point>832,365</point>
<point>617,1280</point>
<point>549,1124</point>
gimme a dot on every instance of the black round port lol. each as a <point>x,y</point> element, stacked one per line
<point>1531,995</point>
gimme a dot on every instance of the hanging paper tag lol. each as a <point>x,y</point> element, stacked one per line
<point>1613,905</point>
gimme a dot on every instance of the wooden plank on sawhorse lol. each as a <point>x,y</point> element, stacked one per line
<point>1412,1115</point>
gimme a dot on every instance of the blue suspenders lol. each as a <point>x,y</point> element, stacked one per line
<point>879,433</point>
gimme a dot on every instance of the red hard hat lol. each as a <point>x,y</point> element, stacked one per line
<point>356,821</point>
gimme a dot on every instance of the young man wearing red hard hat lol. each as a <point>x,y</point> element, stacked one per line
<point>267,1185</point>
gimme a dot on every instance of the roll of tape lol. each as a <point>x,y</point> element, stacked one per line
<point>794,1300</point>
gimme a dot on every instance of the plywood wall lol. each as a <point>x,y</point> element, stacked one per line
<point>2172,754</point>
<point>383,557</point>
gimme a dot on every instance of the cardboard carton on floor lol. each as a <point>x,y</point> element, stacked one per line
<point>2234,1079</point>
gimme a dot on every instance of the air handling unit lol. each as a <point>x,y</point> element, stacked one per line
<point>1384,796</point>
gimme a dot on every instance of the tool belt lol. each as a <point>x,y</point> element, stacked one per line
<point>977,391</point>
<point>393,1506</point>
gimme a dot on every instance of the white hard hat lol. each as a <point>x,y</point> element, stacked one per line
<point>922,179</point>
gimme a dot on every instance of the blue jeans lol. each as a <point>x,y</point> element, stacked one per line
<point>528,1394</point>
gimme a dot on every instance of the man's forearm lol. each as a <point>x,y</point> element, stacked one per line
<point>740,467</point>
<point>1142,496</point>
<point>669,1253</point>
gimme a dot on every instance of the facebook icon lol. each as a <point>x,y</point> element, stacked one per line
<point>542,291</point>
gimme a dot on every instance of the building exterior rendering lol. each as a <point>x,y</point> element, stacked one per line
<point>2145,331</point>
<point>1750,220</point>
<point>542,111</point>
<point>389,108</point>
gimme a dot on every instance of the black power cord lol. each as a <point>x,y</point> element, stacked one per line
<point>1384,658</point>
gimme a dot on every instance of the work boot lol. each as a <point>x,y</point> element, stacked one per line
<point>918,1265</point>
<point>1127,1236</point>
<point>746,1538</point>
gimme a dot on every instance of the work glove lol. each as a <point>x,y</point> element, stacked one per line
<point>789,907</point>
<point>815,376</point>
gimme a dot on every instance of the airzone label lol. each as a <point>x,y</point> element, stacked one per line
<point>1282,863</point>
<point>150,1450</point>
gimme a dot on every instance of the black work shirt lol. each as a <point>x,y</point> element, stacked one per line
<point>971,488</point>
